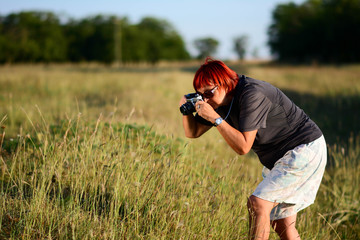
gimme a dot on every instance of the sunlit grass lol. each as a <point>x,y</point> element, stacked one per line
<point>125,180</point>
<point>94,152</point>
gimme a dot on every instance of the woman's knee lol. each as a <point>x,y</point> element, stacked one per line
<point>259,206</point>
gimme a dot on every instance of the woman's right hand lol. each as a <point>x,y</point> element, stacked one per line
<point>191,127</point>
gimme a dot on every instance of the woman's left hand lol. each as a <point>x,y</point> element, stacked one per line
<point>206,111</point>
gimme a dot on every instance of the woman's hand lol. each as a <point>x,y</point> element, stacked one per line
<point>206,111</point>
<point>191,127</point>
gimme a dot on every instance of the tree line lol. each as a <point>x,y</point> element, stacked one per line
<point>317,30</point>
<point>42,37</point>
<point>314,31</point>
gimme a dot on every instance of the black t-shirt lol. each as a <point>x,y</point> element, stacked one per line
<point>281,125</point>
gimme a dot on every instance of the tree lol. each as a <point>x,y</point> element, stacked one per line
<point>206,46</point>
<point>241,45</point>
<point>255,53</point>
<point>317,30</point>
<point>32,37</point>
<point>97,39</point>
<point>161,40</point>
<point>40,37</point>
<point>92,39</point>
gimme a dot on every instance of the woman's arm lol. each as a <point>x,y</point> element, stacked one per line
<point>241,142</point>
<point>192,128</point>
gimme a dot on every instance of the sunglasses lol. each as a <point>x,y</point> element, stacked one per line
<point>209,93</point>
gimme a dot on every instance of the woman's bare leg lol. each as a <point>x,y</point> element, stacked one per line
<point>285,228</point>
<point>259,217</point>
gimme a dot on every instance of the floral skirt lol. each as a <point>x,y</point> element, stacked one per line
<point>294,180</point>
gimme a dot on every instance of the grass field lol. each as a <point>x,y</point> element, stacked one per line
<point>98,152</point>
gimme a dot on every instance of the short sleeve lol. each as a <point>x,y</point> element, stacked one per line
<point>254,109</point>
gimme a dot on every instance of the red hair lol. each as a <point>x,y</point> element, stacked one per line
<point>215,72</point>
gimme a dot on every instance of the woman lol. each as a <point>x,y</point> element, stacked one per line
<point>252,114</point>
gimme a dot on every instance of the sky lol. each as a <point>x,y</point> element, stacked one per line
<point>192,19</point>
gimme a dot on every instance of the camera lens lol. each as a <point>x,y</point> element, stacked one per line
<point>187,108</point>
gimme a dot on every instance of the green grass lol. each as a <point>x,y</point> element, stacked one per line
<point>94,152</point>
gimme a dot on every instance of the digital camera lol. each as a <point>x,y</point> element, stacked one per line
<point>189,107</point>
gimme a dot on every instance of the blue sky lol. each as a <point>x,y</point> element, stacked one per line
<point>222,20</point>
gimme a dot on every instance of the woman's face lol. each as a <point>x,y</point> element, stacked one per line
<point>213,95</point>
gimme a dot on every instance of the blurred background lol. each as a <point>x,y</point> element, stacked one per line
<point>150,31</point>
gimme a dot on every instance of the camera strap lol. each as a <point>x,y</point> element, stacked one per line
<point>230,108</point>
<point>241,80</point>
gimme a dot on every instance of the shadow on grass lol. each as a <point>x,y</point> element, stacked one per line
<point>97,202</point>
<point>337,116</point>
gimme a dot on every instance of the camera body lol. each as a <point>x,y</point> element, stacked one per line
<point>189,107</point>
